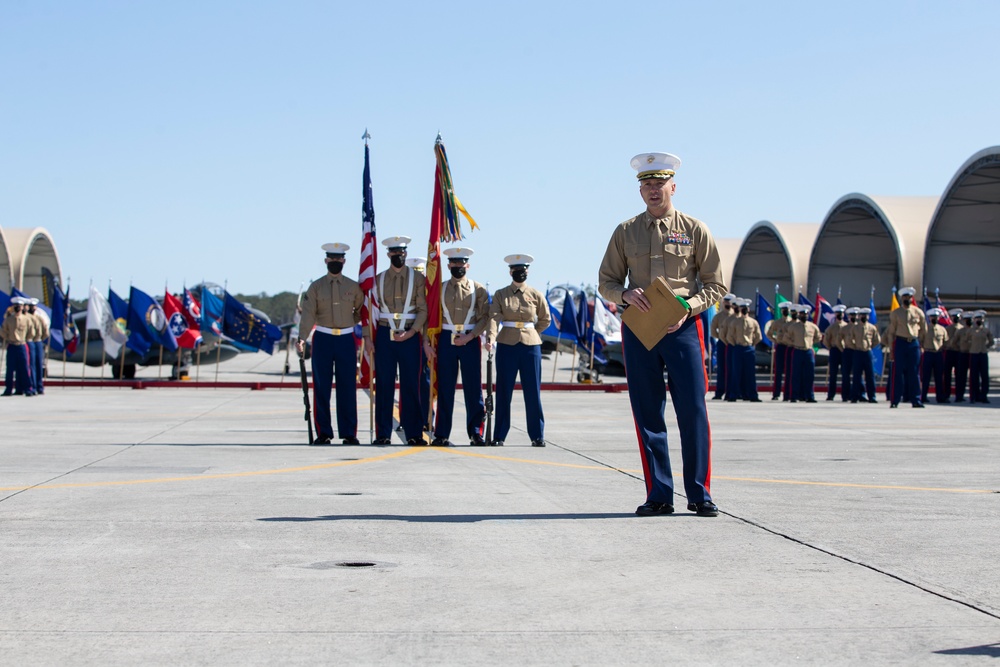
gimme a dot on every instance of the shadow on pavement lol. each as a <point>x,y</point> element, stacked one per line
<point>449,518</point>
<point>991,650</point>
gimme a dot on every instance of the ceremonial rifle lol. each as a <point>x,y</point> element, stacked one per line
<point>489,398</point>
<point>305,395</point>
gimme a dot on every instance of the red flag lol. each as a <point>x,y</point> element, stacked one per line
<point>369,264</point>
<point>183,326</point>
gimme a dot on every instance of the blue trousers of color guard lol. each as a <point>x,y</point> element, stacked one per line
<point>863,364</point>
<point>450,358</point>
<point>979,377</point>
<point>390,356</point>
<point>836,360</point>
<point>526,360</point>
<point>681,355</point>
<point>332,354</point>
<point>744,372</point>
<point>780,352</point>
<point>847,372</point>
<point>803,375</point>
<point>18,380</point>
<point>37,352</point>
<point>905,371</point>
<point>932,368</point>
<point>721,366</point>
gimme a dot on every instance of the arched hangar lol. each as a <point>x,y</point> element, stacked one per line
<point>773,253</point>
<point>30,251</point>
<point>6,267</point>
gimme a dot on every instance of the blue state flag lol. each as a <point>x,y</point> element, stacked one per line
<point>567,320</point>
<point>878,359</point>
<point>4,304</point>
<point>243,326</point>
<point>211,312</point>
<point>764,315</point>
<point>148,323</point>
<point>583,320</point>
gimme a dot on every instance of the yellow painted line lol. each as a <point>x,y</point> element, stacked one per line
<point>198,478</point>
<point>477,455</point>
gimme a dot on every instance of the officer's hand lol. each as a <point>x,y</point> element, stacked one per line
<point>678,325</point>
<point>369,345</point>
<point>300,345</point>
<point>460,340</point>
<point>491,345</point>
<point>429,350</point>
<point>406,335</point>
<point>635,297</point>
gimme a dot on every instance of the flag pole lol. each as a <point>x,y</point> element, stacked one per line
<point>222,324</point>
<point>288,343</point>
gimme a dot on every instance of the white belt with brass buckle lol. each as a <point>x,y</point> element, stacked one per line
<point>519,325</point>
<point>458,327</point>
<point>336,332</point>
<point>396,316</point>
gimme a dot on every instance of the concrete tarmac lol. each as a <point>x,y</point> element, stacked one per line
<point>196,527</point>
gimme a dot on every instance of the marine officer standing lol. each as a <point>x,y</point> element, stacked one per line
<point>907,326</point>
<point>833,339</point>
<point>980,342</point>
<point>932,361</point>
<point>419,264</point>
<point>962,347</point>
<point>465,314</point>
<point>517,314</point>
<point>402,299</point>
<point>333,305</point>
<point>717,327</point>
<point>662,242</point>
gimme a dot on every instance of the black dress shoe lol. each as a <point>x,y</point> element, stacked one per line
<point>984,400</point>
<point>538,443</point>
<point>960,400</point>
<point>829,398</point>
<point>873,400</point>
<point>351,441</point>
<point>382,441</point>
<point>755,400</point>
<point>854,400</point>
<point>775,398</point>
<point>477,441</point>
<point>918,405</point>
<point>497,443</point>
<point>706,508</point>
<point>652,509</point>
<point>811,400</point>
<point>894,405</point>
<point>441,442</point>
<point>416,442</point>
<point>322,440</point>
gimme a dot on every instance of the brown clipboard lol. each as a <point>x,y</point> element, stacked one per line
<point>665,311</point>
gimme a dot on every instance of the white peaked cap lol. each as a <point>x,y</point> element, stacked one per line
<point>396,241</point>
<point>458,253</point>
<point>907,291</point>
<point>336,248</point>
<point>655,165</point>
<point>511,260</point>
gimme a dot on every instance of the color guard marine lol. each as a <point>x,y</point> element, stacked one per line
<point>833,340</point>
<point>907,326</point>
<point>962,345</point>
<point>952,357</point>
<point>744,335</point>
<point>15,336</point>
<point>332,304</point>
<point>465,315</point>
<point>778,333</point>
<point>402,300</point>
<point>719,322</point>
<point>804,336</point>
<point>932,358</point>
<point>419,264</point>
<point>980,342</point>
<point>662,242</point>
<point>517,314</point>
<point>863,339</point>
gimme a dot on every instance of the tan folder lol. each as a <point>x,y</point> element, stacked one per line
<point>665,312</point>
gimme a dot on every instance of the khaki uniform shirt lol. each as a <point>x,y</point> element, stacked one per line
<point>962,339</point>
<point>744,331</point>
<point>15,328</point>
<point>459,297</point>
<point>804,335</point>
<point>775,330</point>
<point>863,336</point>
<point>980,339</point>
<point>908,323</point>
<point>333,302</point>
<point>518,304</point>
<point>718,322</point>
<point>833,337</point>
<point>953,331</point>
<point>394,299</point>
<point>41,328</point>
<point>935,338</point>
<point>677,247</point>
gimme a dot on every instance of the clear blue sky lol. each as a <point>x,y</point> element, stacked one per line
<point>170,142</point>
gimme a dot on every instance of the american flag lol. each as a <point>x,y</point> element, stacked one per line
<point>369,263</point>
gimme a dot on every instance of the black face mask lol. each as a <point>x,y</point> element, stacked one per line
<point>906,302</point>
<point>853,319</point>
<point>864,318</point>
<point>784,312</point>
<point>457,272</point>
<point>335,267</point>
<point>979,324</point>
<point>519,275</point>
<point>397,261</point>
<point>744,311</point>
<point>840,316</point>
<point>933,320</point>
<point>803,317</point>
